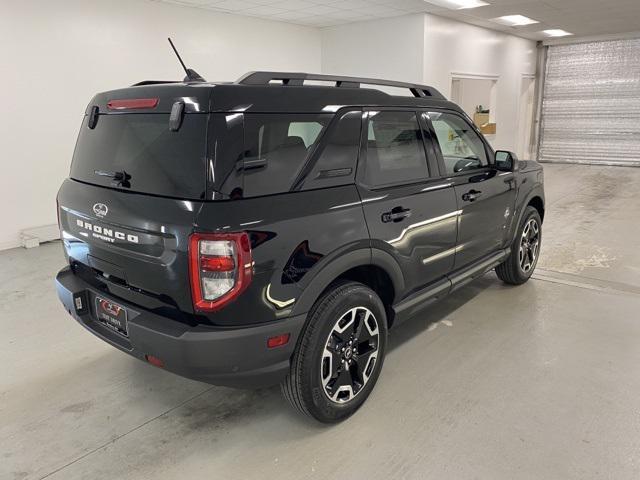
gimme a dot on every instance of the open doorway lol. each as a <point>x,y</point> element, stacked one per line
<point>476,95</point>
<point>525,116</point>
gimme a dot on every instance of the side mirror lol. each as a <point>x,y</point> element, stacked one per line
<point>506,161</point>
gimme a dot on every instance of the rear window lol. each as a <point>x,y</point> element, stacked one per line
<point>155,159</point>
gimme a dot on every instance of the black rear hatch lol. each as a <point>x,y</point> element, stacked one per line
<point>134,192</point>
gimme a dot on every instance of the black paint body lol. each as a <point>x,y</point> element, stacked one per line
<point>302,240</point>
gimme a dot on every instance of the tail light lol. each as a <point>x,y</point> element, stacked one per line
<point>220,267</point>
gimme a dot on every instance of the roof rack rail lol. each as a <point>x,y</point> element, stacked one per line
<point>293,78</point>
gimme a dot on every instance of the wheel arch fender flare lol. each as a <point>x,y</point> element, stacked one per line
<point>345,262</point>
<point>536,191</point>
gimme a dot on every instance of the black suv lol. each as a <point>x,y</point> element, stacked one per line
<point>273,230</point>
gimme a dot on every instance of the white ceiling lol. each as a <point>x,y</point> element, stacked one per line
<point>580,17</point>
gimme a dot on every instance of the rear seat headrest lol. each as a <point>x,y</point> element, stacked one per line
<point>294,141</point>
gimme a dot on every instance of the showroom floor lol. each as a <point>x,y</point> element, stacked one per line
<point>537,381</point>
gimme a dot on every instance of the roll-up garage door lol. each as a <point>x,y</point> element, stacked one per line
<point>591,104</point>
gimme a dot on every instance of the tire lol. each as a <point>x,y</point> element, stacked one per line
<point>316,383</point>
<point>517,269</point>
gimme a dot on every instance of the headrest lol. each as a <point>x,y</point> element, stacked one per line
<point>293,141</point>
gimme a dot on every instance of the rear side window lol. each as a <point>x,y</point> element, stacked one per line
<point>155,159</point>
<point>395,151</point>
<point>276,148</point>
<point>336,162</point>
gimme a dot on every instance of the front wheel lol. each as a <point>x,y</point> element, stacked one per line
<point>340,354</point>
<point>525,250</point>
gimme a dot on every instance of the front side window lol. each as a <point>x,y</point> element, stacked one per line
<point>395,152</point>
<point>461,147</point>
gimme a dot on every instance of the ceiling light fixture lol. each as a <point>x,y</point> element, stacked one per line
<point>556,32</point>
<point>458,4</point>
<point>515,20</point>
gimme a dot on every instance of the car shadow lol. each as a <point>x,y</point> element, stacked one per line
<point>224,409</point>
<point>438,311</point>
<point>227,405</point>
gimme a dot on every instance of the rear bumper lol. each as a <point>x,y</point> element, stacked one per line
<point>231,357</point>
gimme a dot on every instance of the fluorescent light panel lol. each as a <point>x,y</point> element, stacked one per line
<point>458,4</point>
<point>515,20</point>
<point>556,32</point>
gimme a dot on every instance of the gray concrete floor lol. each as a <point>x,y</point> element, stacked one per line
<point>540,381</point>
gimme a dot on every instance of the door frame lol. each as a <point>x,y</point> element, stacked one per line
<point>493,94</point>
<point>525,124</point>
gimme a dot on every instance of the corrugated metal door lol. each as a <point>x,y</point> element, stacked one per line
<point>591,104</point>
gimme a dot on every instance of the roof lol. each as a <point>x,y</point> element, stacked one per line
<point>279,92</point>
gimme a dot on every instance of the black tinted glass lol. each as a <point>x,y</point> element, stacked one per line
<point>155,159</point>
<point>226,147</point>
<point>276,149</point>
<point>395,152</point>
<point>336,162</point>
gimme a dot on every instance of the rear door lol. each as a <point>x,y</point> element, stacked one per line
<point>131,199</point>
<point>485,197</point>
<point>409,214</point>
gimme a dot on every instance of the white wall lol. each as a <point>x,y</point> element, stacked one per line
<point>390,48</point>
<point>454,47</point>
<point>428,49</point>
<point>57,54</point>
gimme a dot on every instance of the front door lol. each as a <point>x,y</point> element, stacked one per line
<point>485,196</point>
<point>409,214</point>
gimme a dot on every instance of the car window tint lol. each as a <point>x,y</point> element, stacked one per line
<point>276,149</point>
<point>155,159</point>
<point>307,131</point>
<point>461,147</point>
<point>395,152</point>
<point>336,162</point>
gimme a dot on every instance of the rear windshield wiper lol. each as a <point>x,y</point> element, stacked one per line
<point>120,179</point>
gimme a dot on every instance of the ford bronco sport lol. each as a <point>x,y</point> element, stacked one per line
<point>274,229</point>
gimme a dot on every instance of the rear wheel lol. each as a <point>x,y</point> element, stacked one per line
<point>340,354</point>
<point>525,249</point>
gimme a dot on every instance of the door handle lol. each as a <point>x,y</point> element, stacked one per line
<point>471,195</point>
<point>397,214</point>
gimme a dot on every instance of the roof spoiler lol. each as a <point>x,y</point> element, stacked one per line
<point>154,82</point>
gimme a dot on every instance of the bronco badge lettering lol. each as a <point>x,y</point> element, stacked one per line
<point>107,234</point>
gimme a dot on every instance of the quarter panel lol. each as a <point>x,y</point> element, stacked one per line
<point>293,236</point>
